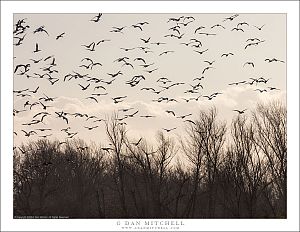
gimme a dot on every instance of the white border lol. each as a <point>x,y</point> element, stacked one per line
<point>289,7</point>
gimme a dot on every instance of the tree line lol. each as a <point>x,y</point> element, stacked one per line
<point>213,170</point>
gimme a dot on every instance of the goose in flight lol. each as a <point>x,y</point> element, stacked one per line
<point>96,18</point>
<point>217,25</point>
<point>40,29</point>
<point>273,88</point>
<point>20,40</point>
<point>127,64</point>
<point>91,128</point>
<point>140,59</point>
<point>259,28</point>
<point>249,63</point>
<point>143,23</point>
<point>146,88</point>
<point>37,48</point>
<point>185,23</point>
<point>184,116</point>
<point>196,45</point>
<point>131,115</point>
<point>146,65</point>
<point>90,47</point>
<point>145,40</point>
<point>44,113</point>
<point>99,87</point>
<point>147,116</point>
<point>207,68</point>
<point>25,66</point>
<point>127,49</point>
<point>21,91</point>
<point>201,52</point>
<point>23,151</point>
<point>126,109</point>
<point>165,52</point>
<point>253,39</point>
<point>175,28</point>
<point>109,82</point>
<point>168,130</point>
<point>45,136</point>
<point>190,121</point>
<point>138,142</point>
<point>91,65</point>
<point>151,71</point>
<point>205,33</point>
<point>261,79</point>
<point>107,149</point>
<point>27,134</point>
<point>99,94</point>
<point>118,29</point>
<point>242,23</point>
<point>175,19</point>
<point>209,62</point>
<point>44,129</point>
<point>254,44</point>
<point>158,43</point>
<point>240,111</point>
<point>171,112</point>
<point>118,99</point>
<point>198,28</point>
<point>60,35</point>
<point>187,44</point>
<point>231,17</point>
<point>84,87</point>
<point>93,98</point>
<point>237,83</point>
<point>137,26</point>
<point>44,106</point>
<point>273,60</point>
<point>115,74</point>
<point>102,41</point>
<point>35,61</point>
<point>188,18</point>
<point>163,80</point>
<point>261,90</point>
<point>209,97</point>
<point>237,29</point>
<point>227,54</point>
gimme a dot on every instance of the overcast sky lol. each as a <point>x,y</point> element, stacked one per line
<point>182,65</point>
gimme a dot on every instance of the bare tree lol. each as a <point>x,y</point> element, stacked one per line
<point>117,136</point>
<point>241,174</point>
<point>203,148</point>
<point>270,125</point>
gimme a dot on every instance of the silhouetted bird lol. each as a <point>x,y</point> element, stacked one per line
<point>60,35</point>
<point>259,28</point>
<point>168,130</point>
<point>96,18</point>
<point>249,63</point>
<point>237,29</point>
<point>170,112</point>
<point>227,54</point>
<point>37,48</point>
<point>84,87</point>
<point>274,60</point>
<point>240,111</point>
<point>40,29</point>
<point>138,142</point>
<point>217,25</point>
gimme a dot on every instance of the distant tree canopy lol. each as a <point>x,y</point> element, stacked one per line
<point>236,171</point>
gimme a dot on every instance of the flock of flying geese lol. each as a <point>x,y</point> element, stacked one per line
<point>99,86</point>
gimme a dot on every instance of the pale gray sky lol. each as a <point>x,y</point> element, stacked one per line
<point>182,65</point>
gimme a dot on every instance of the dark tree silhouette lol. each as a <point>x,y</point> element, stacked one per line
<point>215,171</point>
